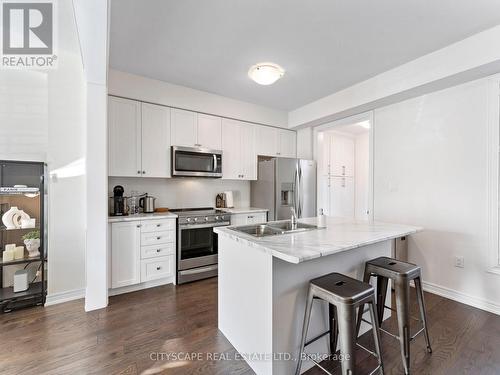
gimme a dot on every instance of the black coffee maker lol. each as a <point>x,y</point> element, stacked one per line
<point>118,203</point>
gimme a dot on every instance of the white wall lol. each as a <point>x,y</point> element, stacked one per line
<point>460,62</point>
<point>362,175</point>
<point>42,119</point>
<point>305,143</point>
<point>184,192</point>
<point>150,90</point>
<point>431,169</point>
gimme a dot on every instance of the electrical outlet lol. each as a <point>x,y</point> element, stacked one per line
<point>459,262</point>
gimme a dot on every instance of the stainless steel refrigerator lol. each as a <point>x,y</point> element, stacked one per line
<point>283,183</point>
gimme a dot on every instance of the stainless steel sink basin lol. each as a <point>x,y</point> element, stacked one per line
<point>286,225</point>
<point>258,230</point>
<point>273,228</point>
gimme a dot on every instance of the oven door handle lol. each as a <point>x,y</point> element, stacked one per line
<point>200,226</point>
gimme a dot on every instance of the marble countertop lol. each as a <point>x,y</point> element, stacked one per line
<point>243,210</point>
<point>339,235</point>
<point>156,215</point>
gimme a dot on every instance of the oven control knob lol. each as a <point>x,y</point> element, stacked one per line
<point>216,218</point>
<point>195,219</point>
<point>188,219</point>
<point>206,218</point>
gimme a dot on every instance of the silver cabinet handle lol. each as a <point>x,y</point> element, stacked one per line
<point>343,170</point>
<point>158,225</point>
<point>343,182</point>
<point>158,238</point>
<point>158,250</point>
<point>138,172</point>
<point>143,172</point>
<point>158,268</point>
<point>138,225</point>
<point>250,217</point>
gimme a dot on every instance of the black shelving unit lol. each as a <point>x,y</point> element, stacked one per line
<point>32,175</point>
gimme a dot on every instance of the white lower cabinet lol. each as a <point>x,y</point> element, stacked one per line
<point>142,251</point>
<point>125,254</point>
<point>249,218</point>
<point>157,268</point>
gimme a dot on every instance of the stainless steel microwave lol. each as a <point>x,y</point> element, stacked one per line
<point>196,162</point>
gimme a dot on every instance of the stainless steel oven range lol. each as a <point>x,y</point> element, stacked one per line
<point>197,243</point>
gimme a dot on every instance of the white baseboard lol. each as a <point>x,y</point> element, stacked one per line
<point>462,297</point>
<point>145,285</point>
<point>53,299</point>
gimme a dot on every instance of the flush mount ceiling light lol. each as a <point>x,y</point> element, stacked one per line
<point>266,73</point>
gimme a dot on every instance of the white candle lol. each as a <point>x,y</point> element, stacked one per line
<point>8,256</point>
<point>10,247</point>
<point>19,252</point>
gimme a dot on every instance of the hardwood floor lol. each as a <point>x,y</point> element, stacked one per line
<point>125,338</point>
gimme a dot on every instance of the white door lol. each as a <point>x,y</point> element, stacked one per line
<point>209,131</point>
<point>267,140</point>
<point>184,128</point>
<point>155,141</point>
<point>342,197</point>
<point>124,137</point>
<point>341,156</point>
<point>287,144</point>
<point>125,254</point>
<point>248,158</point>
<point>231,149</point>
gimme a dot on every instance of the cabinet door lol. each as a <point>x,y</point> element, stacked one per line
<point>287,144</point>
<point>231,149</point>
<point>239,219</point>
<point>125,254</point>
<point>124,137</point>
<point>341,156</point>
<point>248,157</point>
<point>209,131</point>
<point>342,197</point>
<point>267,140</point>
<point>155,141</point>
<point>184,127</point>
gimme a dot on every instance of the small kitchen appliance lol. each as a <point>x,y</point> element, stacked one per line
<point>228,196</point>
<point>20,281</point>
<point>147,204</point>
<point>196,162</point>
<point>118,203</point>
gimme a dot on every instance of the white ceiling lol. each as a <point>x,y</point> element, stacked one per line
<point>324,45</point>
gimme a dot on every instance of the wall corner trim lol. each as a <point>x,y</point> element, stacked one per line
<point>70,295</point>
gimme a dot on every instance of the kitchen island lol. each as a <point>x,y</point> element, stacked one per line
<point>263,285</point>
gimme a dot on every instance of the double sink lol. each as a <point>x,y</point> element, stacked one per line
<point>274,228</point>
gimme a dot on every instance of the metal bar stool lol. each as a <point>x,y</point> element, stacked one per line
<point>344,295</point>
<point>401,273</point>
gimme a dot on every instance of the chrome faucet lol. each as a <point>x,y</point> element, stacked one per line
<point>293,218</point>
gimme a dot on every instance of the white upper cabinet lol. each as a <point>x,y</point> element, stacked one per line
<point>191,129</point>
<point>287,147</point>
<point>239,161</point>
<point>209,132</point>
<point>276,142</point>
<point>184,128</point>
<point>267,140</point>
<point>341,156</point>
<point>124,137</point>
<point>155,140</point>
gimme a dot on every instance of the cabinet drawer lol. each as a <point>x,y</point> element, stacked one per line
<point>157,238</point>
<point>153,251</point>
<point>256,218</point>
<point>157,268</point>
<point>148,226</point>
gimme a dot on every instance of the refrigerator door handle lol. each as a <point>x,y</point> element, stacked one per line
<point>295,190</point>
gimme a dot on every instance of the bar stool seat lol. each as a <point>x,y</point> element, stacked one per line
<point>401,273</point>
<point>344,295</point>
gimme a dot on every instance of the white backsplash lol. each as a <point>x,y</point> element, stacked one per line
<point>184,192</point>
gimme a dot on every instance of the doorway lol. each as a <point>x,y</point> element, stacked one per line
<point>343,150</point>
